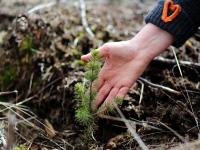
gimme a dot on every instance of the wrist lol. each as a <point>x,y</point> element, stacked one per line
<point>151,41</point>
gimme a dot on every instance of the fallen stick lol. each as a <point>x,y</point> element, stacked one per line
<point>8,92</point>
<point>159,86</point>
<point>84,20</point>
<point>188,97</point>
<point>41,6</point>
<point>173,62</point>
<point>131,121</point>
<point>173,131</point>
<point>131,129</point>
<point>11,131</point>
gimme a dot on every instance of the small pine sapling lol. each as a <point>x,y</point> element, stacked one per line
<point>85,94</point>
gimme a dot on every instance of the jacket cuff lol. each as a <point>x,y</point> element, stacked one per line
<point>181,27</point>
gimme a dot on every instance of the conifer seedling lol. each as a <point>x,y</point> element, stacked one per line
<point>85,94</point>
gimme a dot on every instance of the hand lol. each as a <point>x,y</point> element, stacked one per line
<point>125,61</point>
<point>122,67</point>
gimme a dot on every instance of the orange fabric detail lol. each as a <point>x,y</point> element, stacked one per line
<point>175,8</point>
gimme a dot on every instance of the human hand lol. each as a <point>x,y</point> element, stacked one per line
<point>125,61</point>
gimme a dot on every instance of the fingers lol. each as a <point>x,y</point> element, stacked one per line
<point>103,51</point>
<point>109,99</point>
<point>86,57</point>
<point>112,95</point>
<point>106,95</point>
<point>97,84</point>
<point>122,92</point>
<point>102,94</point>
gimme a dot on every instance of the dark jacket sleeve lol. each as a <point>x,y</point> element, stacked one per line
<point>183,26</point>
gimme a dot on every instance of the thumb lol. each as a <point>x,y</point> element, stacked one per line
<point>103,51</point>
<point>86,57</point>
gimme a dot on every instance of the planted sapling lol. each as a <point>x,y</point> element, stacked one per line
<point>85,95</point>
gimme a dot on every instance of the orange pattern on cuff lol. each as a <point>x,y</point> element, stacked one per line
<point>175,8</point>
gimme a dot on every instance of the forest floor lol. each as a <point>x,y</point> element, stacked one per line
<point>40,64</point>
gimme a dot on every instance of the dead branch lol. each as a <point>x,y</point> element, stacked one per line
<point>173,62</point>
<point>9,92</point>
<point>131,121</point>
<point>83,18</point>
<point>41,6</point>
<point>159,86</point>
<point>130,128</point>
<point>173,131</point>
<point>141,93</point>
<point>11,131</point>
<point>188,97</point>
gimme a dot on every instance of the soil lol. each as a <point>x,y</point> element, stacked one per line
<point>40,58</point>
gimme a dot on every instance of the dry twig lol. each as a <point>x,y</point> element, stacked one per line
<point>130,128</point>
<point>11,131</point>
<point>84,20</point>
<point>173,131</point>
<point>159,86</point>
<point>188,97</point>
<point>173,62</point>
<point>131,121</point>
<point>8,92</point>
<point>41,6</point>
<point>141,93</point>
